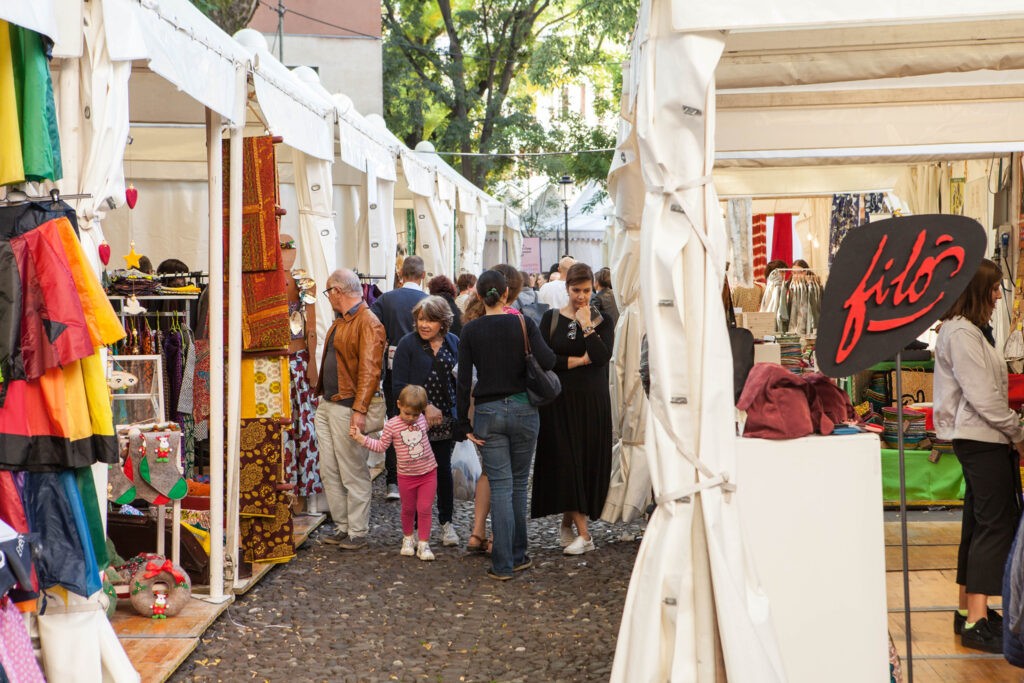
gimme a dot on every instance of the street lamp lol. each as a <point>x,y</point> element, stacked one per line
<point>565,181</point>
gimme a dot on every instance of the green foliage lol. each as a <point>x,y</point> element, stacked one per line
<point>464,74</point>
<point>231,15</point>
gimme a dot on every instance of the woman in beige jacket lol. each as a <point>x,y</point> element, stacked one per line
<point>972,410</point>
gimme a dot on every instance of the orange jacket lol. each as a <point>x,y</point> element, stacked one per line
<point>359,340</point>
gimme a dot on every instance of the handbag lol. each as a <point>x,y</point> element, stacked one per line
<point>542,386</point>
<point>376,414</point>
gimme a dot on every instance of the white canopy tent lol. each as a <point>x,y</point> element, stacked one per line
<point>803,85</point>
<point>504,241</point>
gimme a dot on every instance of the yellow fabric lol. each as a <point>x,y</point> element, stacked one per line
<point>202,536</point>
<point>104,325</point>
<point>12,168</point>
<point>266,388</point>
<point>97,394</point>
<point>79,421</point>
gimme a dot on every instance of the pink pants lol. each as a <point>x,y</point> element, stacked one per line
<point>417,492</point>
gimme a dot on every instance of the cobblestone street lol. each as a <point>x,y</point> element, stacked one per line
<point>372,615</point>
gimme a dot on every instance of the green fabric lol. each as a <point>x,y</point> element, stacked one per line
<point>522,397</point>
<point>87,489</point>
<point>927,482</point>
<point>37,114</point>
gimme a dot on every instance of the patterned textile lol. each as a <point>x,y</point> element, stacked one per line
<point>759,236</point>
<point>264,311</point>
<point>187,395</point>
<point>264,288</point>
<point>16,656</point>
<point>259,467</point>
<point>848,212</point>
<point>265,386</point>
<point>269,539</point>
<point>782,238</point>
<point>188,428</point>
<point>301,448</point>
<point>261,246</point>
<point>173,368</point>
<point>845,217</point>
<point>957,190</point>
<point>201,385</point>
<point>266,519</point>
<point>739,219</point>
<point>441,389</point>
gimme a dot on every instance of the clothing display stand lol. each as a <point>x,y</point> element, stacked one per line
<point>903,516</point>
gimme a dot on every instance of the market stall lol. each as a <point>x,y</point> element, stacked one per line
<point>786,74</point>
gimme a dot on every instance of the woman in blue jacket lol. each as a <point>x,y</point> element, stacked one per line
<point>427,356</point>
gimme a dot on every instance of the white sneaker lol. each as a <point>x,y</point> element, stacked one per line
<point>580,546</point>
<point>392,492</point>
<point>566,535</point>
<point>423,552</point>
<point>448,536</point>
<point>408,546</point>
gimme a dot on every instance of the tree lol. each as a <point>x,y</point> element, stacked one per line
<point>464,73</point>
<point>231,15</point>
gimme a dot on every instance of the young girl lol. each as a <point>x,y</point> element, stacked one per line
<point>417,468</point>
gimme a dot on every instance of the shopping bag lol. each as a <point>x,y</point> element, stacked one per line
<point>465,470</point>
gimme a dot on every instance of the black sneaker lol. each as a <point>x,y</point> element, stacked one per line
<point>981,637</point>
<point>995,622</point>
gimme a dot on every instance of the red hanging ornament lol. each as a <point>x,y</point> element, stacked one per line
<point>104,250</point>
<point>131,196</point>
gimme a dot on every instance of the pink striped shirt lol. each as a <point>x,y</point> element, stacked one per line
<point>412,446</point>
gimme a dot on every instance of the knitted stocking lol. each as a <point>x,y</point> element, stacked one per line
<point>120,482</point>
<point>160,466</point>
<point>137,452</point>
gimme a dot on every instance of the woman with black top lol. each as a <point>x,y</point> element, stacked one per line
<point>504,423</point>
<point>574,449</point>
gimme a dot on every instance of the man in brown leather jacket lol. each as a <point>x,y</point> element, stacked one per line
<point>349,375</point>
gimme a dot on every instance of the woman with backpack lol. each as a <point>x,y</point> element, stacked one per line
<point>574,449</point>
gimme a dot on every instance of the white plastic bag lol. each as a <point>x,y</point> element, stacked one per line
<point>465,470</point>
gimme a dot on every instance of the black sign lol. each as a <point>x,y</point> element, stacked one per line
<point>889,282</point>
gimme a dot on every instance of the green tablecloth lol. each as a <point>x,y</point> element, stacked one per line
<point>927,482</point>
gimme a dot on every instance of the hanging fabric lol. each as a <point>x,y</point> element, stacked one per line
<point>759,237</point>
<point>266,521</point>
<point>740,221</point>
<point>40,141</point>
<point>302,452</point>
<point>12,168</point>
<point>264,289</point>
<point>782,238</point>
<point>845,216</point>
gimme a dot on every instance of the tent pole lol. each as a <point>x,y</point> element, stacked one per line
<point>234,341</point>
<point>903,516</point>
<point>215,293</point>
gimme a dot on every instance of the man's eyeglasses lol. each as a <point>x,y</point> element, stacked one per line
<point>327,292</point>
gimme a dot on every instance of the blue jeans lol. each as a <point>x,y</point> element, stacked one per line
<point>509,429</point>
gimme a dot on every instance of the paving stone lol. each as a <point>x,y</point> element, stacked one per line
<point>373,615</point>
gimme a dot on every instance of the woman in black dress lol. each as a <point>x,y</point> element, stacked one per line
<point>574,448</point>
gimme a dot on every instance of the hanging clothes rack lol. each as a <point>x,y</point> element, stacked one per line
<point>19,197</point>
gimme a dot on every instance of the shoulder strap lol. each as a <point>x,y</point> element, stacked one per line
<point>554,322</point>
<point>526,337</point>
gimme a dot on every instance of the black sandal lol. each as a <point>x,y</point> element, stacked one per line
<point>482,547</point>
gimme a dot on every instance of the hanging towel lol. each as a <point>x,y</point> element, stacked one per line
<point>782,238</point>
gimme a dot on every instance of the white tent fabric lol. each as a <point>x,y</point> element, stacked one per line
<point>630,486</point>
<point>93,104</point>
<point>37,15</point>
<point>182,46</point>
<point>433,224</point>
<point>693,548</point>
<point>313,194</point>
<point>377,237</point>
<point>302,115</point>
